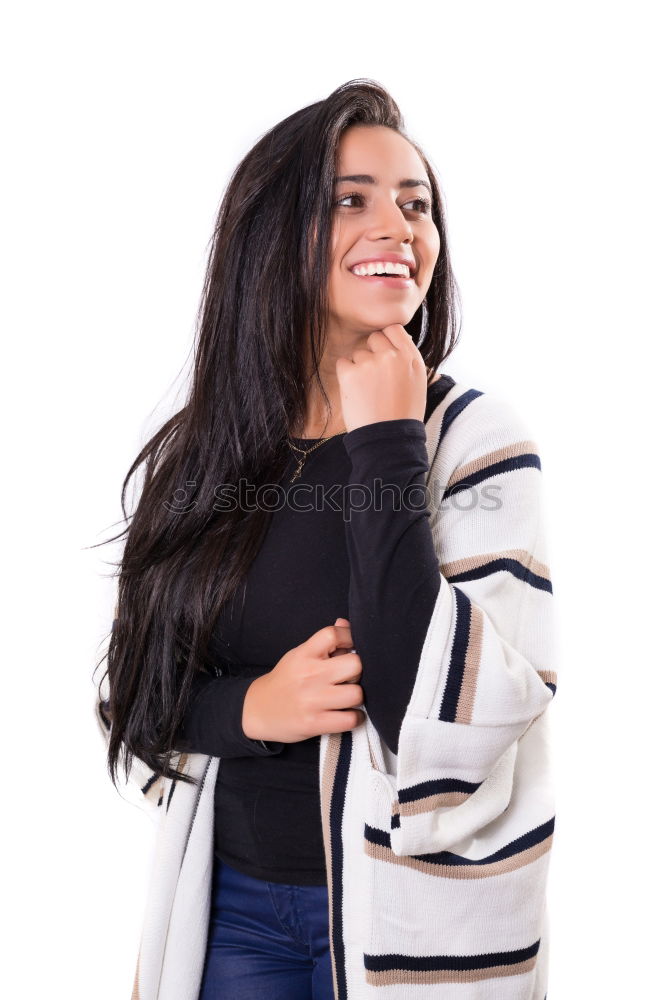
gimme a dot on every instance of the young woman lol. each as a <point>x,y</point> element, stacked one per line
<point>331,655</point>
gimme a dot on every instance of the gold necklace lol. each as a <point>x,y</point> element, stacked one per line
<point>306,451</point>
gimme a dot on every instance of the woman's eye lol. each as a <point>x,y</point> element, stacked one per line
<point>346,197</point>
<point>423,202</point>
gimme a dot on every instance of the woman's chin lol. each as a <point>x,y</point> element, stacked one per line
<point>381,318</point>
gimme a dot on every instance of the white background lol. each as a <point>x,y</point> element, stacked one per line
<point>121,123</point>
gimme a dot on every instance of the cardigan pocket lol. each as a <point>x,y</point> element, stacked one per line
<point>419,802</point>
<point>434,920</point>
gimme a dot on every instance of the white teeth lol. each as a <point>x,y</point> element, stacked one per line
<point>381,267</point>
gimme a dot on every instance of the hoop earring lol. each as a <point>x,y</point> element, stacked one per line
<point>424,323</point>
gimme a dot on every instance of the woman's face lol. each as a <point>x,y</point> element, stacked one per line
<point>374,217</point>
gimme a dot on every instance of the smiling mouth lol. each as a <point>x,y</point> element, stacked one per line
<point>396,280</point>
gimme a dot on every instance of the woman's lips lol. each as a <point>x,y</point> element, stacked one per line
<point>390,280</point>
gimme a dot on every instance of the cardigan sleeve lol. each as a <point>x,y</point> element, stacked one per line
<point>486,672</point>
<point>394,571</point>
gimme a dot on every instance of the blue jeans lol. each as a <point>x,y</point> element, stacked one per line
<point>266,941</point>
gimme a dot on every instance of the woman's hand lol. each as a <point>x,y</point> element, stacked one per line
<point>312,690</point>
<point>387,380</point>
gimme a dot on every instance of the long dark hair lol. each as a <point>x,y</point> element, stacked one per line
<point>265,290</point>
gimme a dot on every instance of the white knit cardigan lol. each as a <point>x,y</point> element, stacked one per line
<point>437,857</point>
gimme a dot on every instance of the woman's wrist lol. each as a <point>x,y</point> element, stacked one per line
<point>249,722</point>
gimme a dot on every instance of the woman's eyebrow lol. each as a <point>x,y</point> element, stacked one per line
<point>368,179</point>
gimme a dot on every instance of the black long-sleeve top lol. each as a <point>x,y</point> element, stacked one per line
<point>373,563</point>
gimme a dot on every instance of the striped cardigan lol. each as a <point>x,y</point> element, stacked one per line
<point>437,856</point>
